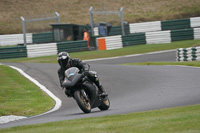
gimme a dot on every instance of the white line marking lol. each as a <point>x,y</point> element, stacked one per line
<point>6,119</point>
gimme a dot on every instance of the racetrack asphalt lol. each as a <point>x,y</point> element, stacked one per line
<point>130,88</point>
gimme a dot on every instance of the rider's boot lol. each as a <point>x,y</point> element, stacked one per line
<point>103,94</point>
<point>95,79</point>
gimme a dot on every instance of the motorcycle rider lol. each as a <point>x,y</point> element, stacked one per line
<point>66,62</point>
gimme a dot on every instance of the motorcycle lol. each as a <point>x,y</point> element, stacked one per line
<point>84,91</point>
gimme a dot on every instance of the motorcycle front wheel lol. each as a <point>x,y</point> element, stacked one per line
<point>105,104</point>
<point>82,102</point>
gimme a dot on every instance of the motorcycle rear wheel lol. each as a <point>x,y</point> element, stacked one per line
<point>105,104</point>
<point>81,101</point>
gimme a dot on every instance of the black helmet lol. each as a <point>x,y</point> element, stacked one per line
<point>63,59</point>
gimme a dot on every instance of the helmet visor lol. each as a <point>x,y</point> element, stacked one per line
<point>63,61</point>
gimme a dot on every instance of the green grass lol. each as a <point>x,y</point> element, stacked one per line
<point>19,96</point>
<point>180,119</point>
<point>189,63</point>
<point>111,53</point>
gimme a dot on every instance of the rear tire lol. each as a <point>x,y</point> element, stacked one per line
<point>105,104</point>
<point>82,103</point>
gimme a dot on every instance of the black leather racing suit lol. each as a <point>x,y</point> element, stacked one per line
<point>82,67</point>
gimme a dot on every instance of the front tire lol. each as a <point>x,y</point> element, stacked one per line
<point>82,103</point>
<point>105,104</point>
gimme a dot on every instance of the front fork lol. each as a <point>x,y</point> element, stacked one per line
<point>84,95</point>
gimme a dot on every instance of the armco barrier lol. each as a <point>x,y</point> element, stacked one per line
<point>72,46</point>
<point>41,50</point>
<point>188,54</point>
<point>13,52</point>
<point>108,43</point>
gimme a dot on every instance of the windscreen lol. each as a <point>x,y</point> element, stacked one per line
<point>69,73</point>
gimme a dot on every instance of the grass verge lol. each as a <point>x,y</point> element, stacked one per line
<point>180,119</point>
<point>138,49</point>
<point>19,96</point>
